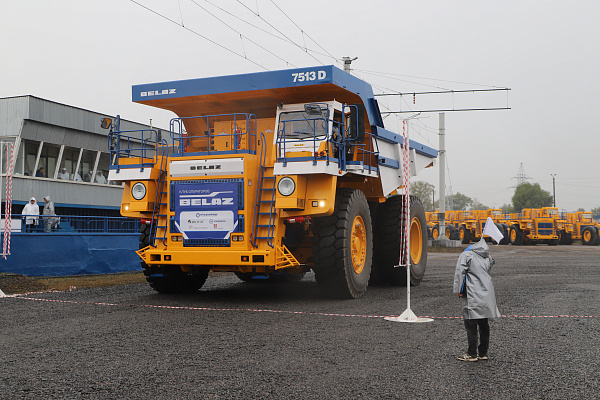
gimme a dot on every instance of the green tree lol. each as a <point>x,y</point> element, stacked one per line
<point>596,211</point>
<point>459,201</point>
<point>580,209</point>
<point>531,195</point>
<point>507,208</point>
<point>423,191</point>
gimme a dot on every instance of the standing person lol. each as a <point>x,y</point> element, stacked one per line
<point>63,174</point>
<point>49,214</point>
<point>473,284</point>
<point>31,208</point>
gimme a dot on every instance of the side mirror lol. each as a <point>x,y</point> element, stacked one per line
<point>105,123</point>
<point>312,109</point>
<point>357,123</point>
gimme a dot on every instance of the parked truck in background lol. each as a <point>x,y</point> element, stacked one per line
<point>268,175</point>
<point>580,226</point>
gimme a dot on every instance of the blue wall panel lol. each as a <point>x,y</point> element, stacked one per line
<point>50,254</point>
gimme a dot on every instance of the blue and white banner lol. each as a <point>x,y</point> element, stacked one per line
<point>206,210</point>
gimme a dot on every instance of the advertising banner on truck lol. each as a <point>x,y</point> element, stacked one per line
<point>206,210</point>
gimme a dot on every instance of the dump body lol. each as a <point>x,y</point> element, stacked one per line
<point>251,162</point>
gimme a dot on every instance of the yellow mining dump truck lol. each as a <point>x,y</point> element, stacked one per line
<point>269,175</point>
<point>531,226</point>
<point>580,226</point>
<point>433,227</point>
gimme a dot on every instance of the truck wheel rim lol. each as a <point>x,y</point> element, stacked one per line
<point>359,244</point>
<point>513,235</point>
<point>416,241</point>
<point>462,234</point>
<point>587,236</point>
<point>435,234</point>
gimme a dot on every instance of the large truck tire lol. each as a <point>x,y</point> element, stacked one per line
<point>589,236</point>
<point>171,278</point>
<point>516,235</point>
<point>450,232</point>
<point>503,231</point>
<point>343,246</point>
<point>435,232</point>
<point>565,238</point>
<point>389,233</point>
<point>464,235</point>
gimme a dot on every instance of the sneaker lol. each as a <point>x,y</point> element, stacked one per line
<point>482,358</point>
<point>467,357</point>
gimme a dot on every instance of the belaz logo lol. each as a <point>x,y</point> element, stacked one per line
<point>223,201</point>
<point>203,167</point>
<point>157,92</point>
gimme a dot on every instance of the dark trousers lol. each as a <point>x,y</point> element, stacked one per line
<point>484,336</point>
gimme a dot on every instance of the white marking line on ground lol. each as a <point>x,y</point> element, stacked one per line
<point>22,296</point>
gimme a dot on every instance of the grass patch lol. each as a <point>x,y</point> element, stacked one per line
<point>14,284</point>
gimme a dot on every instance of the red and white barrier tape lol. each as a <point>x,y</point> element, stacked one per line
<point>263,310</point>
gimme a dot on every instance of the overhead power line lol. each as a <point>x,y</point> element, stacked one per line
<point>198,34</point>
<point>241,35</point>
<point>304,33</point>
<point>281,33</point>
<point>259,28</point>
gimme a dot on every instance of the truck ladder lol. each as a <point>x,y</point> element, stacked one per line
<point>160,213</point>
<point>264,211</point>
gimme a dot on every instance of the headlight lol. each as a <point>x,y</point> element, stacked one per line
<point>286,186</point>
<point>138,191</point>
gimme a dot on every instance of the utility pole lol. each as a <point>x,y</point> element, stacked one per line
<point>553,189</point>
<point>433,199</point>
<point>347,61</point>
<point>442,189</point>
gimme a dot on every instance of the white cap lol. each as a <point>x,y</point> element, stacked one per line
<point>33,198</point>
<point>47,198</point>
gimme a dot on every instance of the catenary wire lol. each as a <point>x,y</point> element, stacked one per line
<point>198,34</point>
<point>259,28</point>
<point>241,35</point>
<point>281,33</point>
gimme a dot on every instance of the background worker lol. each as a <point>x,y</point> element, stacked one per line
<point>63,174</point>
<point>49,214</point>
<point>31,208</point>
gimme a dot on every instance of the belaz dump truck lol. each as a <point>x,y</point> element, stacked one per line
<point>269,175</point>
<point>532,226</point>
<point>580,226</point>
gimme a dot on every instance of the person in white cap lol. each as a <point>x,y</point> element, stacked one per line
<point>100,178</point>
<point>63,174</point>
<point>31,208</point>
<point>49,214</point>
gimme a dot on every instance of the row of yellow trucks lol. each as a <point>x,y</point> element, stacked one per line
<point>531,226</point>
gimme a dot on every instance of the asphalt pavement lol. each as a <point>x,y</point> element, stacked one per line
<point>236,340</point>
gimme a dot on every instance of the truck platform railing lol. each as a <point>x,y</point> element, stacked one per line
<point>73,224</point>
<point>142,143</point>
<point>336,149</point>
<point>215,134</point>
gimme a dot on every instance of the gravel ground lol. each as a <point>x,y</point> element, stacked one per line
<point>82,350</point>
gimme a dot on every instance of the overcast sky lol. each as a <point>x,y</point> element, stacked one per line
<point>89,54</point>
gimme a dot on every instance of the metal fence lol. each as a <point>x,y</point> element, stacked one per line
<point>72,224</point>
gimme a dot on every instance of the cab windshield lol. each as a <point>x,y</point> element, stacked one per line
<point>299,125</point>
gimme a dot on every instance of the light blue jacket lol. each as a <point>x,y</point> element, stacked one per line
<point>476,263</point>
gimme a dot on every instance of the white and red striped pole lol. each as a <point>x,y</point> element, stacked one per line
<point>8,200</point>
<point>408,315</point>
